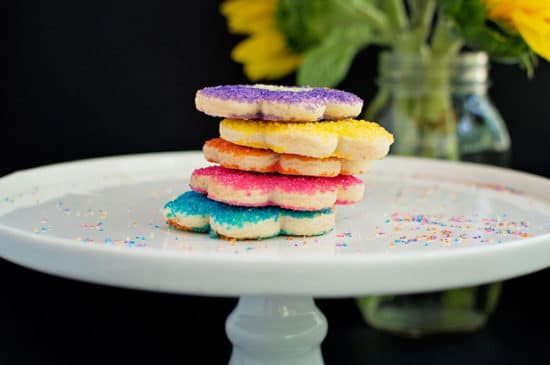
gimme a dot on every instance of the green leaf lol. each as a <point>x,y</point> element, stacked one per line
<point>450,7</point>
<point>302,22</point>
<point>497,44</point>
<point>328,63</point>
<point>306,23</point>
<point>480,32</point>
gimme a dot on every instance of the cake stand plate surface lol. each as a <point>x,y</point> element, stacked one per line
<point>423,225</point>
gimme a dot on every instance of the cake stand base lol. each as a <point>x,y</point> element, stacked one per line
<point>275,330</point>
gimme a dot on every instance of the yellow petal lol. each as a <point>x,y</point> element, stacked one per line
<point>242,25</point>
<point>272,68</point>
<point>530,18</point>
<point>265,55</point>
<point>232,6</point>
<point>249,16</point>
<point>536,33</point>
<point>259,45</point>
<point>505,9</point>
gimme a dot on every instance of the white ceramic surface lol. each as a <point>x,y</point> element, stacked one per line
<point>423,225</point>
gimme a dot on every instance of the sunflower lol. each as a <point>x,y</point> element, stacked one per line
<point>530,18</point>
<point>264,54</point>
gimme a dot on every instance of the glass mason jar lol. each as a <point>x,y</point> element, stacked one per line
<point>437,108</point>
<point>481,131</point>
<point>440,108</point>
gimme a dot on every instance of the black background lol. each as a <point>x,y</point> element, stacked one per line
<point>89,79</point>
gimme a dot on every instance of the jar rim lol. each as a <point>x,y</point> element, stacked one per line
<point>468,68</point>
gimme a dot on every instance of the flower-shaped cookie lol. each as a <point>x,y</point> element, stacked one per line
<point>251,189</point>
<point>281,103</point>
<point>237,157</point>
<point>350,139</point>
<point>192,211</point>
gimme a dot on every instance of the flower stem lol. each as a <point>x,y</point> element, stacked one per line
<point>445,42</point>
<point>426,13</point>
<point>414,38</point>
<point>373,16</point>
<point>414,6</point>
<point>396,13</point>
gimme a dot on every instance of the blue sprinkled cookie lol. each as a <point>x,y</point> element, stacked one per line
<point>192,211</point>
<point>279,103</point>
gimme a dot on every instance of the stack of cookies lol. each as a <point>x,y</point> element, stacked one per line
<point>286,156</point>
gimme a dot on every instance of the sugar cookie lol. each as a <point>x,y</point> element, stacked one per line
<point>237,157</point>
<point>282,103</point>
<point>350,139</point>
<point>192,211</point>
<point>291,192</point>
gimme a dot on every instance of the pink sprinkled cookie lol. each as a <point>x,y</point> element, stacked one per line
<point>237,157</point>
<point>290,192</point>
<point>281,103</point>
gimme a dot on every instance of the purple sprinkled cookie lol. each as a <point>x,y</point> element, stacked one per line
<point>280,103</point>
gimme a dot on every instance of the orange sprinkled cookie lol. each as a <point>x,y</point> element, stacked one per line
<point>237,157</point>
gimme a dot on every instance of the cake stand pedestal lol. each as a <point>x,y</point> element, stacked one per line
<point>276,330</point>
<point>423,225</point>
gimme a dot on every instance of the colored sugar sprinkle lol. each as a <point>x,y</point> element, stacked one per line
<point>61,206</point>
<point>41,229</point>
<point>99,226</point>
<point>85,239</point>
<point>452,230</point>
<point>154,225</point>
<point>118,243</point>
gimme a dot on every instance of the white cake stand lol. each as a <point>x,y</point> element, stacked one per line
<point>423,225</point>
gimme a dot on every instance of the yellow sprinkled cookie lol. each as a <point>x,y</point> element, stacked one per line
<point>350,139</point>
